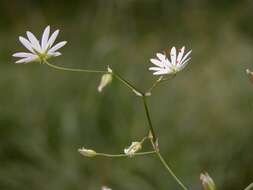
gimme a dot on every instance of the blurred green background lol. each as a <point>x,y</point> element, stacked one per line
<point>203,117</point>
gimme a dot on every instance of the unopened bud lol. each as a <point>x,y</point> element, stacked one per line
<point>109,69</point>
<point>148,94</point>
<point>105,80</point>
<point>105,188</point>
<point>207,182</point>
<point>248,71</point>
<point>250,74</point>
<point>133,148</point>
<point>150,135</point>
<point>87,152</point>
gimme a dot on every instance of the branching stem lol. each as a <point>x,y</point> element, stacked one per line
<point>125,155</point>
<point>170,171</point>
<point>117,76</point>
<point>144,96</point>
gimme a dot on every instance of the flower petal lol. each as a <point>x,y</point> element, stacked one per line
<point>26,43</point>
<point>157,62</point>
<point>186,55</point>
<point>162,72</point>
<point>184,64</point>
<point>44,38</point>
<point>57,46</point>
<point>22,54</point>
<point>180,55</point>
<point>54,54</point>
<point>173,55</point>
<point>52,38</point>
<point>34,41</point>
<point>161,56</point>
<point>155,69</point>
<point>27,59</point>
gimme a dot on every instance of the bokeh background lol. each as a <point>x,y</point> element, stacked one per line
<point>203,117</point>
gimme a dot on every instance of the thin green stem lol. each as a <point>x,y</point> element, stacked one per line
<point>159,81</point>
<point>149,118</point>
<point>139,93</point>
<point>72,69</point>
<point>155,145</point>
<point>117,76</point>
<point>154,84</point>
<point>249,186</point>
<point>125,155</point>
<point>170,170</point>
<point>128,84</point>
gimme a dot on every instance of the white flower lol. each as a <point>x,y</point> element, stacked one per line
<point>176,63</point>
<point>39,51</point>
<point>133,148</point>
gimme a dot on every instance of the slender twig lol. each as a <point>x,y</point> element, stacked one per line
<point>72,69</point>
<point>139,93</point>
<point>170,170</point>
<point>149,118</point>
<point>117,76</point>
<point>128,84</point>
<point>156,148</point>
<point>159,81</point>
<point>125,155</point>
<point>249,186</point>
<point>154,84</point>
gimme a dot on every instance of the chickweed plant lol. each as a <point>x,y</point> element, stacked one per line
<point>165,67</point>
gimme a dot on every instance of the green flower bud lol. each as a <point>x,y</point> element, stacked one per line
<point>105,80</point>
<point>87,152</point>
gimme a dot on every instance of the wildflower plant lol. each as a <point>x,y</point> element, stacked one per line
<point>164,68</point>
<point>39,51</point>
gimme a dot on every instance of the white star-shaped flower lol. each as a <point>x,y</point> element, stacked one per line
<point>176,63</point>
<point>39,51</point>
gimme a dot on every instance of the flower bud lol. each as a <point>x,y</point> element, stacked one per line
<point>87,152</point>
<point>133,148</point>
<point>207,182</point>
<point>105,188</point>
<point>250,74</point>
<point>105,80</point>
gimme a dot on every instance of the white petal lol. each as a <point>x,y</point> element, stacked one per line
<point>54,54</point>
<point>173,55</point>
<point>155,69</point>
<point>162,72</point>
<point>157,62</point>
<point>34,41</point>
<point>22,54</point>
<point>161,56</point>
<point>180,55</point>
<point>44,38</point>
<point>186,55</point>
<point>26,43</point>
<point>52,38</point>
<point>57,46</point>
<point>167,63</point>
<point>28,59</point>
<point>182,66</point>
